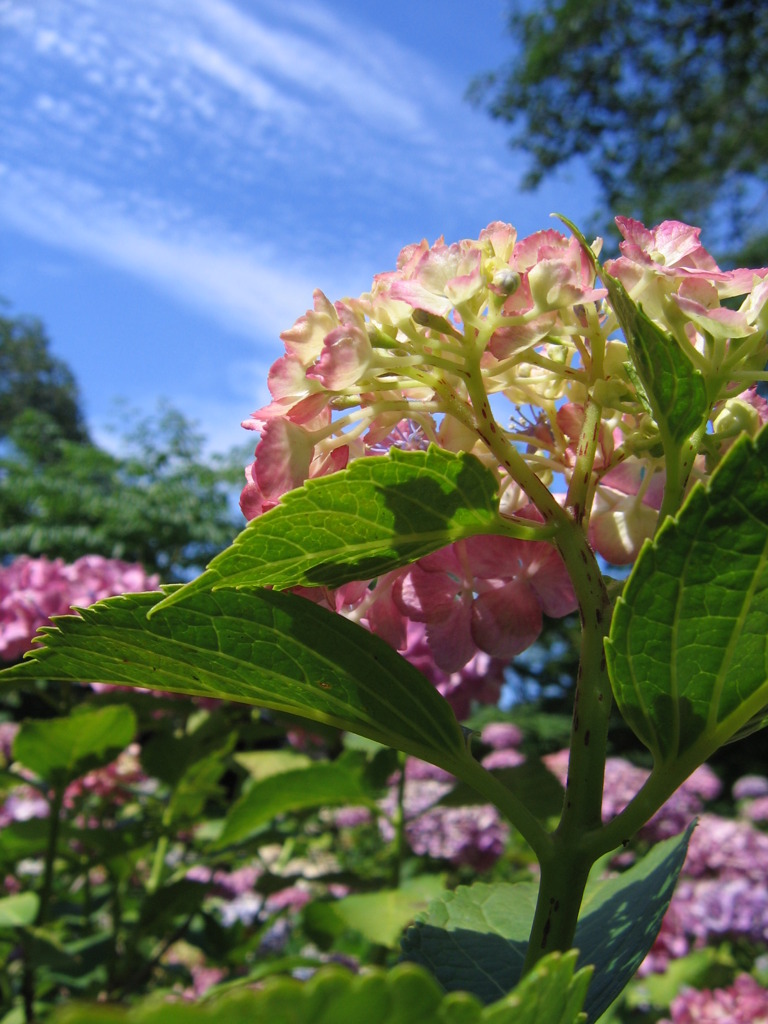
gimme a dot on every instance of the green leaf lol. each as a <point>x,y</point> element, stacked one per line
<point>476,937</point>
<point>261,764</point>
<point>379,917</point>
<point>676,390</point>
<point>379,514</point>
<point>688,649</point>
<point>551,994</point>
<point>68,747</point>
<point>199,783</point>
<point>19,910</point>
<point>323,784</point>
<point>263,647</point>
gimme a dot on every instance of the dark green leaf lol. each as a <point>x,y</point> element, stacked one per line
<point>321,784</point>
<point>67,747</point>
<point>688,650</point>
<point>377,515</point>
<point>273,649</point>
<point>476,937</point>
<point>160,909</point>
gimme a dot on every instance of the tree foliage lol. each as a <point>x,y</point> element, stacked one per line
<point>32,378</point>
<point>664,100</point>
<point>159,503</point>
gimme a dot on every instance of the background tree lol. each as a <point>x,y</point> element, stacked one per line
<point>31,378</point>
<point>159,502</point>
<point>665,101</point>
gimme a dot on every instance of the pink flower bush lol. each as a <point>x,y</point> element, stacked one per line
<point>473,835</point>
<point>721,892</point>
<point>743,1002</point>
<point>34,589</point>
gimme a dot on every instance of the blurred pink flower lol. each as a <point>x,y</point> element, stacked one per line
<point>34,589</point>
<point>743,1002</point>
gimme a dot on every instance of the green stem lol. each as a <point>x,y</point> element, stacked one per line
<point>54,818</point>
<point>561,889</point>
<point>564,862</point>
<point>398,822</point>
<point>158,862</point>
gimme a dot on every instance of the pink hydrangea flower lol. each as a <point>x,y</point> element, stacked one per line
<point>743,1002</point>
<point>34,589</point>
<point>526,321</point>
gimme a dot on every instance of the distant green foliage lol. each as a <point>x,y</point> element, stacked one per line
<point>161,504</point>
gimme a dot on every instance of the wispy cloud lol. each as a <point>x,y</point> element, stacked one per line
<point>227,154</point>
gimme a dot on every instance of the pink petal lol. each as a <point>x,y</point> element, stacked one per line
<point>450,639</point>
<point>506,620</point>
<point>345,357</point>
<point>282,458</point>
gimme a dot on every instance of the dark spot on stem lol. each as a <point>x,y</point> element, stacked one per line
<point>586,738</point>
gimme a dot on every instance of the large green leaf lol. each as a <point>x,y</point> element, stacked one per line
<point>273,649</point>
<point>551,994</point>
<point>476,937</point>
<point>688,649</point>
<point>67,747</point>
<point>377,515</point>
<point>322,784</point>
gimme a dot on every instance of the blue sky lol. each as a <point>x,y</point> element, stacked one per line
<point>176,176</point>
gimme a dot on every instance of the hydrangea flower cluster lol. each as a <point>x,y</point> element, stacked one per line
<point>474,836</point>
<point>454,328</point>
<point>34,589</point>
<point>721,892</point>
<point>743,1002</point>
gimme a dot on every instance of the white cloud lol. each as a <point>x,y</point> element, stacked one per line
<point>233,154</point>
<point>245,287</point>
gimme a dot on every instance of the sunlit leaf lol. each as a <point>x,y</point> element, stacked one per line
<point>272,649</point>
<point>688,649</point>
<point>377,515</point>
<point>67,747</point>
<point>321,784</point>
